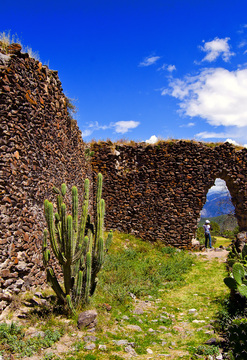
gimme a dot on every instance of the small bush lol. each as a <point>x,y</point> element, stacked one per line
<point>204,350</point>
<point>90,357</point>
<point>12,339</point>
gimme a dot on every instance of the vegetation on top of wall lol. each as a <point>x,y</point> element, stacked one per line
<point>7,39</point>
<point>127,142</point>
<point>215,144</point>
<point>122,142</point>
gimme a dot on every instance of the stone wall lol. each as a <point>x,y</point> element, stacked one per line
<point>158,191</point>
<point>155,191</point>
<point>40,147</point>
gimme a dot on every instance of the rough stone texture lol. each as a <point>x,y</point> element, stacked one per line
<point>157,191</point>
<point>87,319</point>
<point>153,191</point>
<point>240,241</point>
<point>40,146</point>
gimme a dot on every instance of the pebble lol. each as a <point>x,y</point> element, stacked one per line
<point>89,338</point>
<point>134,327</point>
<point>90,346</point>
<point>102,347</point>
<point>192,311</point>
<point>120,342</point>
<point>130,350</point>
<point>198,321</point>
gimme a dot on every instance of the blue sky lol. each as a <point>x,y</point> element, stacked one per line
<point>142,70</point>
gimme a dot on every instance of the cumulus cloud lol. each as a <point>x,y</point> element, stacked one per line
<point>153,139</point>
<point>216,48</point>
<point>230,141</point>
<point>216,94</point>
<point>233,135</point>
<point>123,127</point>
<point>150,60</point>
<point>218,187</point>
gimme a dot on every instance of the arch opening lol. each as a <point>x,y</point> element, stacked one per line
<point>220,211</point>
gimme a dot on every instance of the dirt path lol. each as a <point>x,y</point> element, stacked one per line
<point>211,254</point>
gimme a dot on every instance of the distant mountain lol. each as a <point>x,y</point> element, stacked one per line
<point>218,203</point>
<point>226,222</point>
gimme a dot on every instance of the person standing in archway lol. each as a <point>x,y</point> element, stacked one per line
<point>207,234</point>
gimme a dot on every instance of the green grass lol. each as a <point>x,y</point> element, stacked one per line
<point>221,241</point>
<point>139,268</point>
<point>13,340</point>
<point>161,281</point>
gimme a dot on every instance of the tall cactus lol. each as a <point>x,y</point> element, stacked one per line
<point>78,246</point>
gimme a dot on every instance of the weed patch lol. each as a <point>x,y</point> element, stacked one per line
<point>141,271</point>
<point>13,340</point>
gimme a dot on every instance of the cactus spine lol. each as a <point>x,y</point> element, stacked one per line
<point>77,245</point>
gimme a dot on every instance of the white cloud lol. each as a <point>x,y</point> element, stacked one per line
<point>153,139</point>
<point>243,43</point>
<point>95,125</point>
<point>230,141</point>
<point>211,135</point>
<point>123,127</point>
<point>86,133</point>
<point>150,60</point>
<point>190,124</point>
<point>233,135</point>
<point>171,68</point>
<point>216,48</point>
<point>218,187</point>
<point>215,94</point>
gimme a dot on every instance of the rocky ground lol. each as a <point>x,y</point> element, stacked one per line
<point>90,337</point>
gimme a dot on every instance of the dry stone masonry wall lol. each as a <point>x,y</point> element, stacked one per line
<point>155,192</point>
<point>158,191</point>
<point>40,147</point>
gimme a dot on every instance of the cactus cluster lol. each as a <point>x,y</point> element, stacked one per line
<point>77,245</point>
<point>237,280</point>
<point>234,256</point>
<point>237,334</point>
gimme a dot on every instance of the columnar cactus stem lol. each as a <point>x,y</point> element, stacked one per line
<point>78,246</point>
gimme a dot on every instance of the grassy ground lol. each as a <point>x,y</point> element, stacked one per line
<point>163,303</point>
<point>221,241</point>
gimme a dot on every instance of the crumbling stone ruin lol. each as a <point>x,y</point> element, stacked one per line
<point>154,191</point>
<point>158,191</point>
<point>41,146</point>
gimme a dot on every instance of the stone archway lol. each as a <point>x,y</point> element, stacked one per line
<point>157,192</point>
<point>218,201</point>
<point>238,197</point>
